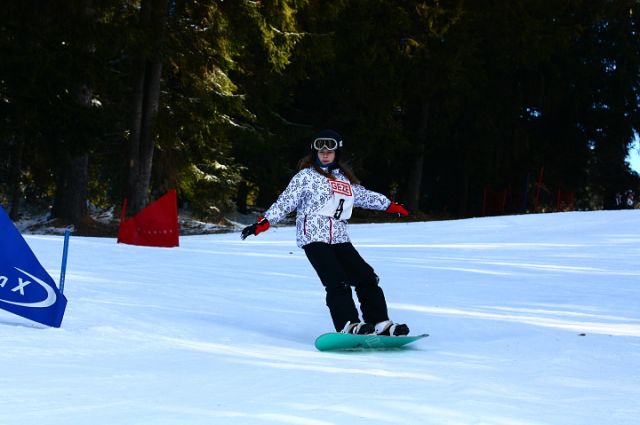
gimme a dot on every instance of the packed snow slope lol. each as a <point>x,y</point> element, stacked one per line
<point>532,319</point>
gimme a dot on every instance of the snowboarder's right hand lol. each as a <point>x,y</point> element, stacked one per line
<point>258,227</point>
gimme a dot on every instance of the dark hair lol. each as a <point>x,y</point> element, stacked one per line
<point>310,161</point>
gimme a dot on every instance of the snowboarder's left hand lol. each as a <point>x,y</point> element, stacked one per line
<point>396,208</point>
<point>258,227</point>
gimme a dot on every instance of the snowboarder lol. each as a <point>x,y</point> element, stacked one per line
<point>323,193</point>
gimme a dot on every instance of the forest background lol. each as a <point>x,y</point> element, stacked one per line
<point>454,108</point>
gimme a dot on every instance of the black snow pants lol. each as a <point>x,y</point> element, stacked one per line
<point>339,267</point>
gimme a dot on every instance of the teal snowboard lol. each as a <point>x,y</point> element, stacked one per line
<point>338,341</point>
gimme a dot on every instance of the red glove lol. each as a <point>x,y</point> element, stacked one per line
<point>259,226</point>
<point>396,208</point>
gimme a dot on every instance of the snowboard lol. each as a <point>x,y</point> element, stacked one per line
<point>334,341</point>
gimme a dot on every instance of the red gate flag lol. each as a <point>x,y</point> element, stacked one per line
<point>156,225</point>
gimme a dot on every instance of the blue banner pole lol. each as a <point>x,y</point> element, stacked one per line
<point>63,269</point>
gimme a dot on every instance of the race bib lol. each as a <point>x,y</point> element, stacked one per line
<point>340,205</point>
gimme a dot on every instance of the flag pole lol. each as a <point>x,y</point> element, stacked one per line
<point>63,268</point>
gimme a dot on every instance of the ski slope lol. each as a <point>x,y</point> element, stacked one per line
<point>533,320</point>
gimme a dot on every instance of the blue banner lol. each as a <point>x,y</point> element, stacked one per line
<point>26,288</point>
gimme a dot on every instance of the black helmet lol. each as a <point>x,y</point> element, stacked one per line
<point>326,139</point>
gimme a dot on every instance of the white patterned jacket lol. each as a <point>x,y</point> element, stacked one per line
<point>322,206</point>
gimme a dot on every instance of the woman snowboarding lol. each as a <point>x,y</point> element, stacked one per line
<point>323,193</point>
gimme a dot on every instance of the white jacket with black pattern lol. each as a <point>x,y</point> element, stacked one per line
<point>314,197</point>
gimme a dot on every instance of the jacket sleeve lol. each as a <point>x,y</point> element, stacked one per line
<point>369,199</point>
<point>288,200</point>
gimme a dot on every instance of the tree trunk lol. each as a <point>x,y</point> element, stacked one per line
<point>70,202</point>
<point>147,134</point>
<point>241,197</point>
<point>414,186</point>
<point>464,196</point>
<point>15,170</point>
<point>136,123</point>
<point>146,104</point>
<point>70,205</point>
<point>415,181</point>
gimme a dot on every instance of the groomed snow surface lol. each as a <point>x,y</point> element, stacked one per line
<point>532,319</point>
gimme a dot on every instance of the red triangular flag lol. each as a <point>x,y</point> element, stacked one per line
<point>156,225</point>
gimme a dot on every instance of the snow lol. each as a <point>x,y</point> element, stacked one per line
<point>533,320</point>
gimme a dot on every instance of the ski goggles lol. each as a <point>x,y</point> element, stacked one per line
<point>325,143</point>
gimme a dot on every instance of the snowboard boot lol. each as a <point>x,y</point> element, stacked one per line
<point>358,328</point>
<point>391,329</point>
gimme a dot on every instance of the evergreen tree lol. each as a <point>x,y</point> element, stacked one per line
<point>437,100</point>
